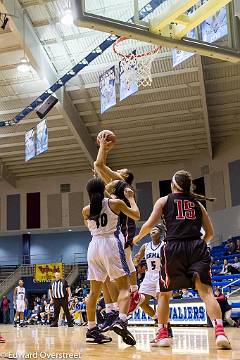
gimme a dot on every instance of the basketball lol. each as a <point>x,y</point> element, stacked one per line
<point>110,136</point>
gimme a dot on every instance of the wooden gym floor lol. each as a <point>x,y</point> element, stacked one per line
<point>42,342</point>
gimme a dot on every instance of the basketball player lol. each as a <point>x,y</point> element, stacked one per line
<point>128,226</point>
<point>151,252</point>
<point>106,256</point>
<point>150,285</point>
<point>185,257</point>
<point>115,189</point>
<point>19,299</point>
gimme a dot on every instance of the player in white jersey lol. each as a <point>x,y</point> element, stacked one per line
<point>106,256</point>
<point>150,285</point>
<point>19,299</point>
<point>151,252</point>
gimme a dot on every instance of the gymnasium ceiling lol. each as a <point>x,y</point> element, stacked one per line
<point>188,109</point>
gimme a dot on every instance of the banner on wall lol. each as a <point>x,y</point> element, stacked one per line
<point>128,84</point>
<point>215,27</point>
<point>42,137</point>
<point>45,272</point>
<point>30,150</point>
<point>180,314</point>
<point>107,86</point>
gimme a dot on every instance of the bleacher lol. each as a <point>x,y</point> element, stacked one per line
<point>229,283</point>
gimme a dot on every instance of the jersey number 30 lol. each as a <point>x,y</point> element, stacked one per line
<point>186,210</point>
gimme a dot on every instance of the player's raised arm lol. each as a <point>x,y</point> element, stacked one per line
<point>153,219</point>
<point>100,166</point>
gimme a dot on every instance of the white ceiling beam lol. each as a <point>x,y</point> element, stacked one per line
<point>167,116</point>
<point>141,138</point>
<point>41,63</point>
<point>145,105</point>
<point>157,75</point>
<point>224,79</point>
<point>150,160</point>
<point>51,140</point>
<point>204,105</point>
<point>53,172</point>
<point>47,156</point>
<point>160,128</point>
<point>47,164</point>
<point>225,106</point>
<point>145,91</point>
<point>155,152</point>
<point>22,133</point>
<point>223,93</point>
<point>196,144</point>
<point>53,148</point>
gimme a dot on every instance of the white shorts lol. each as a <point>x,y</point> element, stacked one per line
<point>150,284</point>
<point>106,257</point>
<point>20,305</point>
<point>129,259</point>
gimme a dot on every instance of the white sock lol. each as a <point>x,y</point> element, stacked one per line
<point>122,316</point>
<point>115,306</point>
<point>133,288</point>
<point>109,308</point>
<point>91,325</point>
<point>217,322</point>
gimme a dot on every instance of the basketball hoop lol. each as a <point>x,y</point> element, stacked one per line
<point>136,61</point>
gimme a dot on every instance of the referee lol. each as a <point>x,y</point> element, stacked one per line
<point>60,293</point>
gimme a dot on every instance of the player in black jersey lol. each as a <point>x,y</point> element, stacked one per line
<point>185,258</point>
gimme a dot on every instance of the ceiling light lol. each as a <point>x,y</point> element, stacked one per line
<point>24,65</point>
<point>67,18</point>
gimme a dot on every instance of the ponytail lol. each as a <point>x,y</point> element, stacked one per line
<point>199,197</point>
<point>95,206</point>
<point>95,189</point>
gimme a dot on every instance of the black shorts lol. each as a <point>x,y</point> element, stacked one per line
<point>181,261</point>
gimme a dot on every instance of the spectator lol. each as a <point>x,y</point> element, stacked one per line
<point>44,298</point>
<point>78,291</point>
<point>238,246</point>
<point>177,294</point>
<point>5,310</point>
<point>224,268</point>
<point>230,247</point>
<point>85,290</point>
<point>76,313</point>
<point>186,294</point>
<point>235,267</point>
<point>225,307</point>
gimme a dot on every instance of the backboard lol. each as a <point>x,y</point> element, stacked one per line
<point>165,23</point>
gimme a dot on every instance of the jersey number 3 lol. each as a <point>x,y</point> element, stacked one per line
<point>186,210</point>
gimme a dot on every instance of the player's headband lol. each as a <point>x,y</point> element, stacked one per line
<point>176,184</point>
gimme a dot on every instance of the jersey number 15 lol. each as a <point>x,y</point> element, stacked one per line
<point>185,209</point>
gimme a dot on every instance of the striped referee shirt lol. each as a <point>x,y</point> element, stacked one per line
<point>59,289</point>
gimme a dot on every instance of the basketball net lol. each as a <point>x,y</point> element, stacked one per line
<point>136,60</point>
